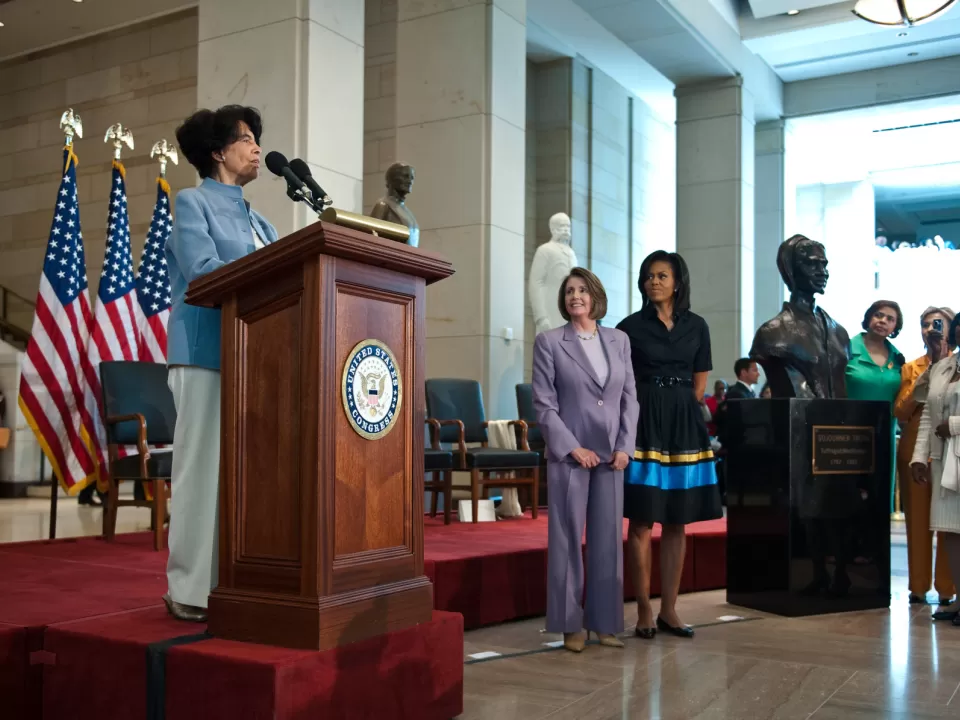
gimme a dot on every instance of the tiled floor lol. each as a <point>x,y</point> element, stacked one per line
<point>882,664</point>
<point>879,664</point>
<point>29,519</point>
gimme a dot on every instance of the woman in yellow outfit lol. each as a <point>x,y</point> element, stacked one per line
<point>915,497</point>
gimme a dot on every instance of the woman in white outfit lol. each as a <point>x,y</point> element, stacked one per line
<point>936,456</point>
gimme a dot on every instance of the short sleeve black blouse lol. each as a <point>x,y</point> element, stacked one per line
<point>658,352</point>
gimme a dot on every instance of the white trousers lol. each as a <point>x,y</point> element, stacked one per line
<point>194,515</point>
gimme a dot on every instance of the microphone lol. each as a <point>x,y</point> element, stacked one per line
<point>277,164</point>
<point>302,171</point>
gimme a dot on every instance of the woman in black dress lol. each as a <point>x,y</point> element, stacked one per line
<point>672,479</point>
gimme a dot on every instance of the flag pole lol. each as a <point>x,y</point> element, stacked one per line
<point>114,335</point>
<point>164,151</point>
<point>153,286</point>
<point>119,136</point>
<point>70,125</point>
<point>52,390</point>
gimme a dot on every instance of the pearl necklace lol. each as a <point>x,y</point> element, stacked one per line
<point>589,337</point>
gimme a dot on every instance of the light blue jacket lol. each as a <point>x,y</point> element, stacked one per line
<point>211,227</point>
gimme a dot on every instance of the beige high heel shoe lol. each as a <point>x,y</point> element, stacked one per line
<point>575,642</point>
<point>608,640</point>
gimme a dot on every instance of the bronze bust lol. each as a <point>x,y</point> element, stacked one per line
<point>803,351</point>
<point>391,207</point>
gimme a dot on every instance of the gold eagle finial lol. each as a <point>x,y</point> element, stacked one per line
<point>119,136</point>
<point>164,151</point>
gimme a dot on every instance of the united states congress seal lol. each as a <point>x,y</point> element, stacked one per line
<point>372,389</point>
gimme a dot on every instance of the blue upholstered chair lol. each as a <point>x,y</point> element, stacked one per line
<point>535,441</point>
<point>438,465</point>
<point>138,411</point>
<point>457,407</point>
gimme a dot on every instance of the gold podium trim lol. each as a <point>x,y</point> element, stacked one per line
<point>380,228</point>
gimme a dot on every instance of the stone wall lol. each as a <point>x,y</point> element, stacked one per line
<point>143,76</point>
<point>601,155</point>
<point>531,219</point>
<point>610,242</point>
<point>653,181</point>
<point>380,99</point>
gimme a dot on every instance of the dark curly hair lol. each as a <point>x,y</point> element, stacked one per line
<point>681,277</point>
<point>209,131</point>
<point>871,311</point>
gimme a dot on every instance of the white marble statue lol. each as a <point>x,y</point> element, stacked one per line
<point>551,264</point>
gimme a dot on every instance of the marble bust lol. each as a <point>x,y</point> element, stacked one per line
<point>803,351</point>
<point>551,264</point>
<point>392,206</point>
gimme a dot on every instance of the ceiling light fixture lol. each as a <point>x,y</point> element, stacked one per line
<point>793,12</point>
<point>899,13</point>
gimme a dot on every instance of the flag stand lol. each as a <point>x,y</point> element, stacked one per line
<point>70,125</point>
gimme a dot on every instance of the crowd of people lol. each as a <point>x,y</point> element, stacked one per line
<point>652,456</point>
<point>629,431</point>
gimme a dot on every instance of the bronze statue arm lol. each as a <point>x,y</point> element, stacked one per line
<point>381,211</point>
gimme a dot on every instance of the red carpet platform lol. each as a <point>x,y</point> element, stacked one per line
<point>81,616</point>
<point>495,572</point>
<point>417,673</point>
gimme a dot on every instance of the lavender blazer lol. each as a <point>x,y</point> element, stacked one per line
<point>573,408</point>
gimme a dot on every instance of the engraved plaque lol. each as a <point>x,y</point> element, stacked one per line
<point>843,450</point>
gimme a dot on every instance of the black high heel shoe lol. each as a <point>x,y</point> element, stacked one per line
<point>645,633</point>
<point>684,632</point>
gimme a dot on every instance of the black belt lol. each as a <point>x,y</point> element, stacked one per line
<point>663,381</point>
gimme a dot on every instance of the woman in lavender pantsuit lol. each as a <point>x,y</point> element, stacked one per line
<point>586,402</point>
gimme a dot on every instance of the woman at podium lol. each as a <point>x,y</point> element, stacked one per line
<point>213,225</point>
<point>586,403</point>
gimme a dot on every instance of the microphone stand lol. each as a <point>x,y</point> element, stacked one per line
<point>298,195</point>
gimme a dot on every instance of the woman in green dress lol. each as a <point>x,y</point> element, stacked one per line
<point>873,372</point>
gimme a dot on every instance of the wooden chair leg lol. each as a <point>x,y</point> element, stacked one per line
<point>159,510</point>
<point>535,491</point>
<point>110,512</point>
<point>475,492</point>
<point>447,479</point>
<point>433,499</point>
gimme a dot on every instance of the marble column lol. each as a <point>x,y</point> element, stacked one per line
<point>776,199</point>
<point>301,64</point>
<point>461,122</point>
<point>715,212</point>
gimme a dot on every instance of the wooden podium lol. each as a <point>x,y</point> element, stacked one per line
<point>321,527</point>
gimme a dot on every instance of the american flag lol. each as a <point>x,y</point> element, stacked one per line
<point>153,283</point>
<point>55,374</point>
<point>115,331</point>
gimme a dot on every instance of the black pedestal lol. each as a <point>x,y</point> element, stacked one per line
<point>808,505</point>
